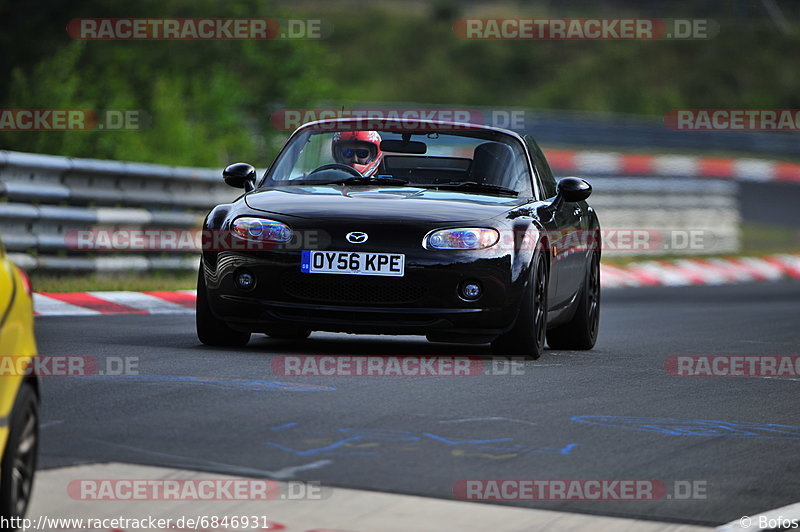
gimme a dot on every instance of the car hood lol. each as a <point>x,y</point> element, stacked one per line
<point>336,202</point>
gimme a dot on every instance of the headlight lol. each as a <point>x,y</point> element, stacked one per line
<point>462,238</point>
<point>261,229</point>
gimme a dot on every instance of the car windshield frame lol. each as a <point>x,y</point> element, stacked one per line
<point>298,140</point>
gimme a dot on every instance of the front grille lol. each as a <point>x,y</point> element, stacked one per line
<point>351,289</point>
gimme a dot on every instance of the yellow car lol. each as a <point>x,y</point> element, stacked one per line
<point>19,390</point>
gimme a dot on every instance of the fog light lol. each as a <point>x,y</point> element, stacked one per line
<point>245,280</point>
<point>470,290</point>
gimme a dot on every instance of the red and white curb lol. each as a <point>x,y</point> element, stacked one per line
<point>119,302</point>
<point>684,272</point>
<point>681,272</point>
<point>616,164</point>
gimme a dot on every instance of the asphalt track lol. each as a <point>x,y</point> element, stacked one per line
<point>567,416</point>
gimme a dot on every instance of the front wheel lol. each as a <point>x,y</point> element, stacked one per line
<point>210,329</point>
<point>580,333</point>
<point>527,336</point>
<point>19,459</point>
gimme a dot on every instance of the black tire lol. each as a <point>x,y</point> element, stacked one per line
<point>19,457</point>
<point>580,333</point>
<point>210,329</point>
<point>526,338</point>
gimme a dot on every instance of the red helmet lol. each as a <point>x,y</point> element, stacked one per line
<point>358,149</point>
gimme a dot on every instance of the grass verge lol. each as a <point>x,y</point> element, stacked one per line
<point>45,282</point>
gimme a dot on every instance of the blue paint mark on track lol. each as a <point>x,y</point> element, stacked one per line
<point>286,426</point>
<point>695,427</point>
<point>214,382</point>
<point>309,452</point>
<point>463,442</point>
<point>375,438</point>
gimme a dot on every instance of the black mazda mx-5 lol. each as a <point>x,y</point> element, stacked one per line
<point>456,232</point>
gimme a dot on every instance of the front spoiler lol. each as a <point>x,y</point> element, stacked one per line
<point>256,315</point>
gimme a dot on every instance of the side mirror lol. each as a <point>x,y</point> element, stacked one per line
<point>240,175</point>
<point>573,189</point>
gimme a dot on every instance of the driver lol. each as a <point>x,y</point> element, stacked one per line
<point>358,149</point>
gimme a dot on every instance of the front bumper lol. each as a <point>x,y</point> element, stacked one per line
<point>424,301</point>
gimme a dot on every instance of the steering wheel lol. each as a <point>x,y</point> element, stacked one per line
<point>338,166</point>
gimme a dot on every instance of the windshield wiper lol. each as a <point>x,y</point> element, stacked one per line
<point>474,186</point>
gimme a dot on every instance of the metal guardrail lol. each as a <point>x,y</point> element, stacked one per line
<point>43,198</point>
<point>618,131</point>
<point>633,132</point>
<point>681,216</point>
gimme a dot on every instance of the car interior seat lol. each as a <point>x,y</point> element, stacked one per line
<point>492,163</point>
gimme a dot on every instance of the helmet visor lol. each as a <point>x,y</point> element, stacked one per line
<point>355,152</point>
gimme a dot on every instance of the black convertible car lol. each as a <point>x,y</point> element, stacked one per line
<point>456,232</point>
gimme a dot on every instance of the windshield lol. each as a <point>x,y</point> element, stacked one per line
<point>473,161</point>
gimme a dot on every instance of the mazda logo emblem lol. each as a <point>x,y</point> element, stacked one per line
<point>357,237</point>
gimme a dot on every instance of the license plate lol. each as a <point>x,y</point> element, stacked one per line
<point>353,263</point>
